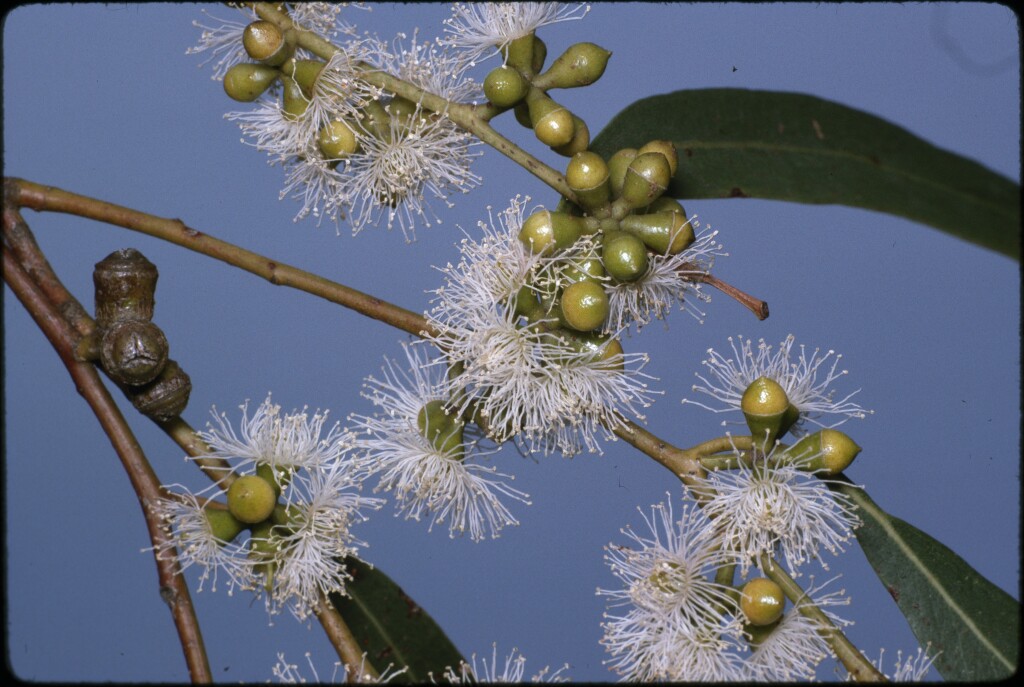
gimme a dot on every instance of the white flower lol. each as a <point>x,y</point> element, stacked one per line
<point>479,28</point>
<point>322,17</point>
<point>287,442</point>
<point>512,671</point>
<point>192,541</point>
<point>322,505</point>
<point>440,484</point>
<point>289,673</point>
<point>669,279</point>
<point>769,506</point>
<point>795,646</point>
<point>555,390</point>
<point>680,623</point>
<point>728,379</point>
<point>913,668</point>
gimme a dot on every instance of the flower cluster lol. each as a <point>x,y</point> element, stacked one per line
<point>432,467</point>
<point>287,524</point>
<point>512,670</point>
<point>810,396</point>
<point>483,29</point>
<point>525,377</point>
<point>349,148</point>
<point>681,624</point>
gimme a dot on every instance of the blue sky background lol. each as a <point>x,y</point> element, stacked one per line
<point>102,100</point>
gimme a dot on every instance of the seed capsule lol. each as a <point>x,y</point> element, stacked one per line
<point>133,352</point>
<point>166,396</point>
<point>125,284</point>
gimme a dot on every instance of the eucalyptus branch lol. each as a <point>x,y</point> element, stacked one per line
<point>859,667</point>
<point>470,118</point>
<point>38,197</point>
<point>357,667</point>
<point>173,589</point>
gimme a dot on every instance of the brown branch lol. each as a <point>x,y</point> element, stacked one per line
<point>357,667</point>
<point>690,272</point>
<point>47,198</point>
<point>173,590</point>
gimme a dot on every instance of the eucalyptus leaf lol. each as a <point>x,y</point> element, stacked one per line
<point>971,624</point>
<point>392,628</point>
<point>737,143</point>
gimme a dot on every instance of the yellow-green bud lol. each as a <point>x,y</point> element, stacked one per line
<point>647,177</point>
<point>608,350</point>
<point>294,102</point>
<point>587,176</point>
<point>584,268</point>
<point>552,124</point>
<point>762,601</point>
<point>580,65</point>
<point>544,231</point>
<point>265,43</point>
<point>756,634</point>
<point>251,499</point>
<point>223,524</point>
<point>540,53</point>
<point>624,256</point>
<point>337,140</point>
<point>505,86</point>
<point>580,139</point>
<point>666,148</point>
<point>245,82</point>
<point>305,73</point>
<point>584,305</point>
<point>827,452</point>
<point>277,477</point>
<point>522,113</point>
<point>617,166</point>
<point>764,404</point>
<point>667,233</point>
<point>402,109</point>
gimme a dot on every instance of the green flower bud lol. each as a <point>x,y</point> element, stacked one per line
<point>580,65</point>
<point>544,231</point>
<point>647,177</point>
<point>265,43</point>
<point>624,256</point>
<point>608,350</point>
<point>305,73</point>
<point>401,109</point>
<point>762,601</point>
<point>584,268</point>
<point>246,82</point>
<point>337,141</point>
<point>223,524</point>
<point>540,53</point>
<point>294,103</point>
<point>617,166</point>
<point>552,124</point>
<point>263,550</point>
<point>277,477</point>
<point>441,428</point>
<point>764,404</point>
<point>584,305</point>
<point>666,148</point>
<point>587,176</point>
<point>667,233</point>
<point>665,204</point>
<point>522,113</point>
<point>580,139</point>
<point>251,499</point>
<point>505,86</point>
<point>756,634</point>
<point>827,452</point>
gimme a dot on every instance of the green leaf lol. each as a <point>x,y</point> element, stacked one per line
<point>736,143</point>
<point>974,624</point>
<point>392,628</point>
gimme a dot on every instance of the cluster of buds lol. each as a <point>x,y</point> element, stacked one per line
<point>133,351</point>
